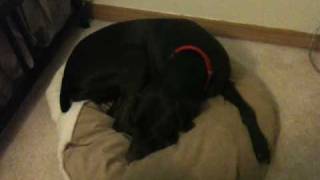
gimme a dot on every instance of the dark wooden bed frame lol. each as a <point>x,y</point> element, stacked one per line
<point>41,56</point>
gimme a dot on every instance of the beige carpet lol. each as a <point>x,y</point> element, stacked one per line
<point>28,148</point>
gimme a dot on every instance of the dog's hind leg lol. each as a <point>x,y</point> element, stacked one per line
<point>248,116</point>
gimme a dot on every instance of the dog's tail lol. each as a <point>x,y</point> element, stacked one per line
<point>249,119</point>
<point>65,102</point>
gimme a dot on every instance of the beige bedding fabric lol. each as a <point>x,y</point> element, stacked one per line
<point>217,148</point>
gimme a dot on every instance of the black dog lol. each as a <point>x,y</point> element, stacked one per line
<point>157,73</point>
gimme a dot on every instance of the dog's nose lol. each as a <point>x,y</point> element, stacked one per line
<point>133,156</point>
<point>130,157</point>
<point>135,153</point>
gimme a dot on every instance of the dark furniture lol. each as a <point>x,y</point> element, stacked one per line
<point>31,50</point>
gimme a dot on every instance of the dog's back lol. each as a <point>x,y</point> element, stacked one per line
<point>101,56</point>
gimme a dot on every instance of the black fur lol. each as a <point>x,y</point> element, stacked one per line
<point>155,94</point>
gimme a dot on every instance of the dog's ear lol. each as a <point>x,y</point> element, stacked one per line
<point>65,102</point>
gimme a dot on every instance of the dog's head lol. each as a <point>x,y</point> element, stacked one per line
<point>157,120</point>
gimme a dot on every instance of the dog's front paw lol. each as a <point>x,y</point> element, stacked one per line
<point>261,149</point>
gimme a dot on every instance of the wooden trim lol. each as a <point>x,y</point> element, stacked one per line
<point>219,28</point>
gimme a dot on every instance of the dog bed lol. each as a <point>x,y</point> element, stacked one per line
<point>217,148</point>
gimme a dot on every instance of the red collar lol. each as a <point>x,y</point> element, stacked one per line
<point>204,56</point>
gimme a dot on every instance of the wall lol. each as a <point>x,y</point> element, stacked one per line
<point>299,15</point>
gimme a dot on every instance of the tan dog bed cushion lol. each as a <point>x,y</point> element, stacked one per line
<point>217,148</point>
